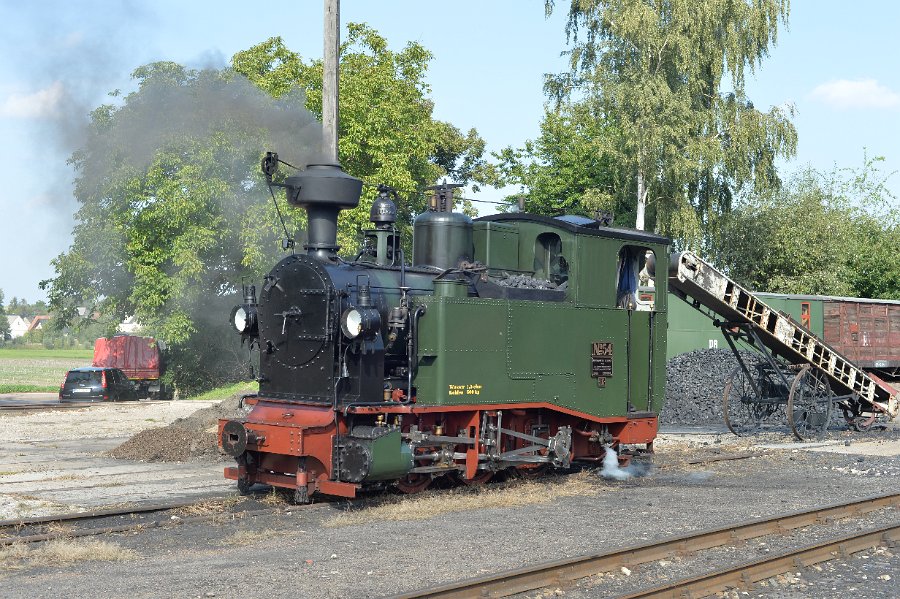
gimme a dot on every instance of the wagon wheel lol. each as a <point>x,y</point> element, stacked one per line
<point>863,423</point>
<point>414,483</point>
<point>243,482</point>
<point>854,418</point>
<point>809,403</point>
<point>741,406</point>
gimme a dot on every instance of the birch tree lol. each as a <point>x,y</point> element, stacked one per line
<point>670,75</point>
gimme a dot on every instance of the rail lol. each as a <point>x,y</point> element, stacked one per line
<point>707,286</point>
<point>745,574</point>
<point>40,529</point>
<point>566,572</point>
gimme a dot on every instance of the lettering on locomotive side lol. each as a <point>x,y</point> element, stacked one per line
<point>474,389</point>
<point>601,361</point>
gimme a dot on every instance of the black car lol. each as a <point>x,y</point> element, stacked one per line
<point>97,384</point>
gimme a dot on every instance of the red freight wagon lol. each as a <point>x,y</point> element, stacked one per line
<point>140,358</point>
<point>866,331</point>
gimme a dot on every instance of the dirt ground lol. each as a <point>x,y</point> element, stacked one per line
<point>389,544</point>
<point>54,461</point>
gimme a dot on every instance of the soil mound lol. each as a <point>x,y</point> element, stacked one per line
<point>186,439</point>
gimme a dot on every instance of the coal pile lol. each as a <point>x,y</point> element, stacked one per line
<point>526,282</point>
<point>695,382</point>
<point>190,438</point>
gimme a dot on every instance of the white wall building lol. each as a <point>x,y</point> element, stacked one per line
<point>129,325</point>
<point>18,326</point>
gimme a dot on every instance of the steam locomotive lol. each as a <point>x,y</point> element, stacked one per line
<point>514,342</point>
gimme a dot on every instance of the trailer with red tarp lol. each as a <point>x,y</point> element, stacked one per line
<point>142,359</point>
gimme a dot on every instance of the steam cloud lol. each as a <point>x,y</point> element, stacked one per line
<point>611,469</point>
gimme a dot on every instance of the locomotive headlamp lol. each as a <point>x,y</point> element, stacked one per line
<point>243,318</point>
<point>360,322</point>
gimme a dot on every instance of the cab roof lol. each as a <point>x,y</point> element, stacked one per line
<point>580,225</point>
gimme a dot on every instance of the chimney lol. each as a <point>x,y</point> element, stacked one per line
<point>324,190</point>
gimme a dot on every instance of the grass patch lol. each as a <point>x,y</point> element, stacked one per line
<point>428,505</point>
<point>35,370</point>
<point>210,506</point>
<point>19,388</point>
<point>276,497</point>
<point>220,393</point>
<point>61,552</point>
<point>48,354</point>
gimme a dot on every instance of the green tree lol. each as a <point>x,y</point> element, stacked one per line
<point>387,132</point>
<point>656,71</point>
<point>25,309</point>
<point>831,234</point>
<point>4,323</point>
<point>173,212</point>
<point>566,169</point>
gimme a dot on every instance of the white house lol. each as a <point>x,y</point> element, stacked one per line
<point>18,326</point>
<point>129,325</point>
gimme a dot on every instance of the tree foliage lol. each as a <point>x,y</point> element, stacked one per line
<point>831,234</point>
<point>4,323</point>
<point>387,132</point>
<point>24,308</point>
<point>566,170</point>
<point>173,212</point>
<point>654,73</point>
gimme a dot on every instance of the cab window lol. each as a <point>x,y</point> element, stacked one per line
<point>635,274</point>
<point>549,262</point>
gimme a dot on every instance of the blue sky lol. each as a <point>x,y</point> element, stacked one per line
<point>835,63</point>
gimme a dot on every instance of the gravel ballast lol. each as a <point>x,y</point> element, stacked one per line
<point>295,554</point>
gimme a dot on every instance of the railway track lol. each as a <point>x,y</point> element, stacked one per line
<point>566,573</point>
<point>37,407</point>
<point>127,519</point>
<point>41,406</point>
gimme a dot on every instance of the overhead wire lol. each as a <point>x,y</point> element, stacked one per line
<point>455,197</point>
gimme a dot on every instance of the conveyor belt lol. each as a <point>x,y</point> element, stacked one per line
<point>707,286</point>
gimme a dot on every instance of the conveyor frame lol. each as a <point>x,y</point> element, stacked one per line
<point>702,285</point>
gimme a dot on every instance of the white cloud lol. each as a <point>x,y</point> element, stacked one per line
<point>861,93</point>
<point>42,103</point>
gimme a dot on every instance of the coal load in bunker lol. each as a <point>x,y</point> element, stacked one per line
<point>511,342</point>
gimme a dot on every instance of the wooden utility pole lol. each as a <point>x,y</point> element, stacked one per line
<point>330,89</point>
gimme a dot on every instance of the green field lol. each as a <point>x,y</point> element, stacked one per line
<point>26,370</point>
<point>227,391</point>
<point>34,370</point>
